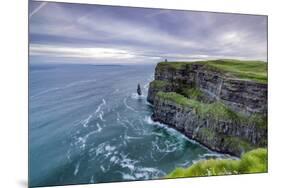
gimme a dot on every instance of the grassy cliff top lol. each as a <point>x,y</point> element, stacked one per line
<point>249,70</point>
<point>254,161</point>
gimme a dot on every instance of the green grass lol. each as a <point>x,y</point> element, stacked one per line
<point>192,93</point>
<point>259,120</point>
<point>254,161</point>
<point>158,84</point>
<point>216,110</point>
<point>172,65</point>
<point>249,70</point>
<point>252,70</point>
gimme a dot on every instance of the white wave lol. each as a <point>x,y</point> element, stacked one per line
<point>76,168</point>
<point>92,180</point>
<point>132,137</point>
<point>127,176</point>
<point>168,148</point>
<point>174,132</point>
<point>100,149</point>
<point>127,106</point>
<point>106,155</point>
<point>148,120</point>
<point>83,139</point>
<point>126,162</point>
<point>99,107</point>
<point>105,151</point>
<point>119,159</point>
<point>86,121</point>
<point>185,164</point>
<point>137,172</point>
<point>118,117</point>
<point>157,134</point>
<point>217,156</point>
<point>148,173</point>
<point>147,169</point>
<point>151,77</point>
<point>146,86</point>
<point>124,142</point>
<point>143,173</point>
<point>68,155</point>
<point>170,130</point>
<point>99,128</point>
<point>136,96</point>
<point>102,168</point>
<point>126,136</point>
<point>99,112</point>
<point>109,148</point>
<point>207,155</point>
<point>148,103</point>
<point>114,159</point>
<point>101,116</point>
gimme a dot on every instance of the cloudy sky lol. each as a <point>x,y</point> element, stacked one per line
<point>75,33</point>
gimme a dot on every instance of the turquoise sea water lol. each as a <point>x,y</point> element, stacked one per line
<point>88,125</point>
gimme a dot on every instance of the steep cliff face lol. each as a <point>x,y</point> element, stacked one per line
<point>227,113</point>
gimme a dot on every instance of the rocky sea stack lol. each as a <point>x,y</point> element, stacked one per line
<point>220,103</point>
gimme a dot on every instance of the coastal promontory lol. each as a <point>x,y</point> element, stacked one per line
<point>222,104</point>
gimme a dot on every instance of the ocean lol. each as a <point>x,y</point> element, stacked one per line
<point>88,125</point>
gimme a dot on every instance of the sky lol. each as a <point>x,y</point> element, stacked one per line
<point>96,34</point>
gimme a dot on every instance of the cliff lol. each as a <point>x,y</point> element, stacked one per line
<point>221,104</point>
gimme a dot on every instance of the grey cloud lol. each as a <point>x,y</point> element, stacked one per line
<point>146,34</point>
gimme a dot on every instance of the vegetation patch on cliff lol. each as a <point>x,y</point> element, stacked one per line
<point>238,144</point>
<point>254,161</point>
<point>258,119</point>
<point>249,70</point>
<point>192,93</point>
<point>158,84</point>
<point>216,110</point>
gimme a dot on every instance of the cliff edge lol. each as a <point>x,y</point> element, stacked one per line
<point>220,103</point>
